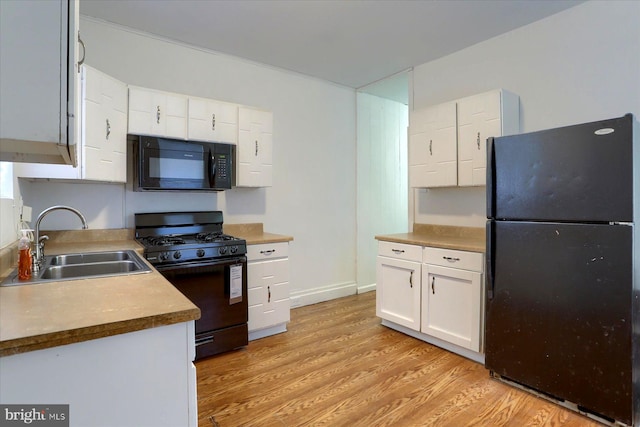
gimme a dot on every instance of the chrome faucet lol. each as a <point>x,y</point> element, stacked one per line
<point>39,241</point>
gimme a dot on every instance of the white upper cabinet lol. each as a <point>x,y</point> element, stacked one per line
<point>447,142</point>
<point>102,153</point>
<point>481,116</point>
<point>213,121</point>
<point>255,134</point>
<point>38,81</point>
<point>432,147</point>
<point>104,127</point>
<point>157,113</point>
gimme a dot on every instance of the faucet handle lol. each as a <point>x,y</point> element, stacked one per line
<point>40,249</point>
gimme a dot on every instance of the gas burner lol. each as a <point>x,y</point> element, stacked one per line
<point>212,237</point>
<point>164,240</point>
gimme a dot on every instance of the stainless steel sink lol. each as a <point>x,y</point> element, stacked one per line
<point>84,266</point>
<point>93,257</point>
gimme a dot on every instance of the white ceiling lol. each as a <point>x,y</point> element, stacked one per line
<point>349,42</point>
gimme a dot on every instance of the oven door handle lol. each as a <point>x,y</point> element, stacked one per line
<point>199,264</point>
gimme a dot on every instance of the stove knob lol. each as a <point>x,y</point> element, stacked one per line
<point>234,249</point>
<point>164,256</point>
<point>222,250</point>
<point>177,254</point>
<point>200,253</point>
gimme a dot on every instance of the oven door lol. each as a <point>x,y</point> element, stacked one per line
<point>219,289</point>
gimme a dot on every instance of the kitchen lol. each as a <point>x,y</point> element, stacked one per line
<point>315,124</point>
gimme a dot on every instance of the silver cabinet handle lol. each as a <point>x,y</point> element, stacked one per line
<point>269,252</point>
<point>158,115</point>
<point>256,147</point>
<point>431,147</point>
<point>213,121</point>
<point>450,259</point>
<point>433,285</point>
<point>397,251</point>
<point>108,128</point>
<point>478,140</point>
<point>84,51</point>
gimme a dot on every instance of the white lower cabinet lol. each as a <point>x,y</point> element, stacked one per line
<point>268,289</point>
<point>146,378</point>
<point>398,284</point>
<point>433,294</point>
<point>451,301</point>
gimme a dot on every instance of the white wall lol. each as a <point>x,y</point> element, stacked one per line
<point>382,178</point>
<point>577,66</point>
<point>313,197</point>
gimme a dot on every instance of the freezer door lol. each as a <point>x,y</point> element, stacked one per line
<point>580,173</point>
<point>558,311</point>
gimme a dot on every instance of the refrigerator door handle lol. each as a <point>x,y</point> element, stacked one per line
<point>491,234</point>
<point>491,179</point>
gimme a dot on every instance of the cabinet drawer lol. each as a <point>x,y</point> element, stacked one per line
<point>400,251</point>
<point>465,260</point>
<point>268,272</point>
<point>267,251</point>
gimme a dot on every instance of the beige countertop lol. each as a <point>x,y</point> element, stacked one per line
<point>441,236</point>
<point>254,234</point>
<point>51,314</point>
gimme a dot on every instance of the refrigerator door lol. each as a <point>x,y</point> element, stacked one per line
<point>580,173</point>
<point>558,318</point>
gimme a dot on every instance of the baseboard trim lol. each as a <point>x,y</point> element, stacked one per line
<point>324,293</point>
<point>465,352</point>
<point>366,288</point>
<point>273,330</point>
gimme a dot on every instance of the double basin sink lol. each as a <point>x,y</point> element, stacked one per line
<point>84,266</point>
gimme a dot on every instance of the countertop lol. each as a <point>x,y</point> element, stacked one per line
<point>254,233</point>
<point>441,236</point>
<point>51,314</point>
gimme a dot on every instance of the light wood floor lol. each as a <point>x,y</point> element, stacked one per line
<point>337,366</point>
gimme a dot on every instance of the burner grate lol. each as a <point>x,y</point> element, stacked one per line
<point>164,240</point>
<point>212,237</point>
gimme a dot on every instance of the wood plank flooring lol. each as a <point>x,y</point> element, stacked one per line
<point>337,366</point>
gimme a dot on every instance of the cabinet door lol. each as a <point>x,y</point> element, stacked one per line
<point>255,135</point>
<point>478,118</point>
<point>451,305</point>
<point>104,127</point>
<point>38,81</point>
<point>213,121</point>
<point>157,113</point>
<point>268,285</point>
<point>398,291</point>
<point>432,147</point>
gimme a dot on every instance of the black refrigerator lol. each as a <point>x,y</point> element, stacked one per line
<point>563,269</point>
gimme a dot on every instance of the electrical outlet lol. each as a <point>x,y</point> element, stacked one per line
<point>26,213</point>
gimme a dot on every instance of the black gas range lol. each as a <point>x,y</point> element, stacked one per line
<point>209,267</point>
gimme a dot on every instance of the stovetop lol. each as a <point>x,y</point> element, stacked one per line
<point>177,240</point>
<point>185,237</point>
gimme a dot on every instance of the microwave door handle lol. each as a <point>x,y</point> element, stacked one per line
<point>212,169</point>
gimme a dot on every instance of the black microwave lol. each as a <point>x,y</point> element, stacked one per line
<point>170,164</point>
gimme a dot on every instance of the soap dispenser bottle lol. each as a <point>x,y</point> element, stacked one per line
<point>24,256</point>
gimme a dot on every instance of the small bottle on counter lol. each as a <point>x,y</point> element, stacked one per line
<point>24,256</point>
